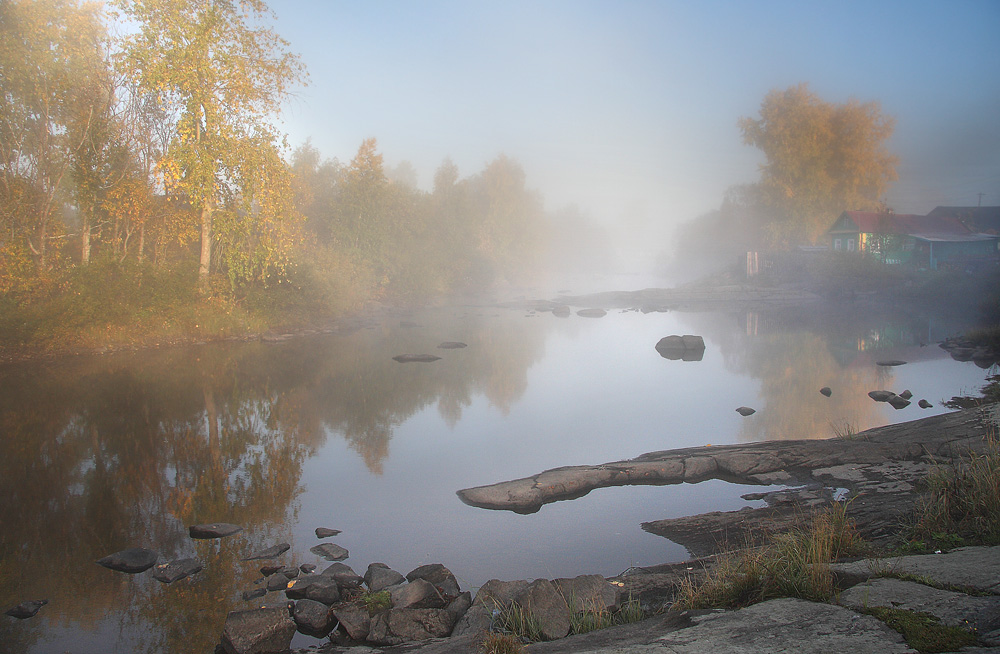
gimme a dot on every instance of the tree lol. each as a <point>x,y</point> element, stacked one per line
<point>51,73</point>
<point>821,159</point>
<point>228,74</point>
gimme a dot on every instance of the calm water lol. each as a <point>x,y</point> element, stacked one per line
<point>103,453</point>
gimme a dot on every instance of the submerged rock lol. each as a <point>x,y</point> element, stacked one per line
<point>592,313</point>
<point>132,561</point>
<point>168,573</point>
<point>687,347</point>
<point>272,552</point>
<point>254,594</point>
<point>452,345</point>
<point>745,411</point>
<point>26,610</point>
<point>330,551</point>
<point>213,530</point>
<point>415,358</point>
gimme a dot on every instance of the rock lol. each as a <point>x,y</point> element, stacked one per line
<point>924,404</point>
<point>214,530</point>
<point>277,582</point>
<point>258,631</point>
<point>313,618</point>
<point>561,311</point>
<point>974,567</point>
<point>270,553</point>
<point>379,634</point>
<point>307,568</point>
<point>547,607</point>
<point>323,532</point>
<point>589,593</point>
<point>353,618</point>
<point>437,574</point>
<point>290,571</point>
<point>898,402</point>
<point>458,606</point>
<point>890,363</point>
<point>826,391</point>
<point>132,561</point>
<point>268,570</point>
<point>254,594</point>
<point>330,552</point>
<point>324,590</point>
<point>418,594</point>
<point>415,358</point>
<point>26,610</point>
<point>295,589</point>
<point>745,411</point>
<point>379,577</point>
<point>420,624</point>
<point>478,618</point>
<point>687,347</point>
<point>452,345</point>
<point>881,396</point>
<point>176,570</point>
<point>981,614</point>
<point>344,575</point>
<point>592,313</point>
<point>906,395</point>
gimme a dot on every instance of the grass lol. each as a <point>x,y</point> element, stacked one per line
<point>963,503</point>
<point>922,631</point>
<point>585,619</point>
<point>793,564</point>
<point>518,622</point>
<point>845,430</point>
<point>376,602</point>
<point>499,643</point>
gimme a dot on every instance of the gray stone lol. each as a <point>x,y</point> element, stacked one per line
<point>477,619</point>
<point>313,618</point>
<point>330,552</point>
<point>826,391</point>
<point>437,574</point>
<point>343,574</point>
<point>415,358</point>
<point>906,394</point>
<point>258,631</point>
<point>379,577</point>
<point>420,624</point>
<point>380,634</point>
<point>592,313</point>
<point>589,593</point>
<point>324,590</point>
<point>687,347</point>
<point>880,396</point>
<point>458,606</point>
<point>307,568</point>
<point>296,588</point>
<point>249,595</point>
<point>745,411</point>
<point>418,594</point>
<point>277,582</point>
<point>499,594</point>
<point>562,311</point>
<point>26,610</point>
<point>132,560</point>
<point>973,567</point>
<point>213,530</point>
<point>452,345</point>
<point>323,532</point>
<point>547,607</point>
<point>898,402</point>
<point>924,404</point>
<point>890,363</point>
<point>270,553</point>
<point>353,618</point>
<point>952,608</point>
<point>176,570</point>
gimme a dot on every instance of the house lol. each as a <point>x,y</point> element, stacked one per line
<point>922,241</point>
<point>985,220</point>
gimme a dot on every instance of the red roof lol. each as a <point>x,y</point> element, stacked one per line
<point>928,227</point>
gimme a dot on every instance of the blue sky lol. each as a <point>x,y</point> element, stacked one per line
<point>630,109</point>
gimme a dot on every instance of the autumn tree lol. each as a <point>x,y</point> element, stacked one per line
<point>821,159</point>
<point>51,74</point>
<point>228,74</point>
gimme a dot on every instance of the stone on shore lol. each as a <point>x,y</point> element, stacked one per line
<point>213,530</point>
<point>353,618</point>
<point>418,594</point>
<point>403,625</point>
<point>437,574</point>
<point>589,593</point>
<point>132,561</point>
<point>549,609</point>
<point>380,576</point>
<point>971,567</point>
<point>270,553</point>
<point>313,618</point>
<point>168,573</point>
<point>26,610</point>
<point>258,631</point>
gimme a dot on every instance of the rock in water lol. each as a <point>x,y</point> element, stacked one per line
<point>330,552</point>
<point>906,394</point>
<point>323,532</point>
<point>26,610</point>
<point>168,573</point>
<point>746,411</point>
<point>890,362</point>
<point>213,530</point>
<point>826,391</point>
<point>592,313</point>
<point>897,402</point>
<point>415,358</point>
<point>452,345</point>
<point>132,561</point>
<point>258,630</point>
<point>881,396</point>
<point>924,404</point>
<point>270,553</point>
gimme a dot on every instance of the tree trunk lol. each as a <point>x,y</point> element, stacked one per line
<point>142,240</point>
<point>206,246</point>
<point>85,241</point>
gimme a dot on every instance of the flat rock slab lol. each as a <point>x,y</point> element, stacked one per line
<point>168,573</point>
<point>271,552</point>
<point>213,530</point>
<point>256,631</point>
<point>971,567</point>
<point>330,552</point>
<point>950,607</point>
<point>132,561</point>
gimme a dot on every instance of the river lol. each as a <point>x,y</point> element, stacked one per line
<point>102,453</point>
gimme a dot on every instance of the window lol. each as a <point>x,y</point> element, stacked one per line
<point>836,244</point>
<point>850,245</point>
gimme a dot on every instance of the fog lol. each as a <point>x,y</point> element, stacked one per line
<point>628,111</point>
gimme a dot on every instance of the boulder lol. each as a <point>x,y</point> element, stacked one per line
<point>324,590</point>
<point>132,560</point>
<point>589,593</point>
<point>437,574</point>
<point>313,618</point>
<point>476,619</point>
<point>270,553</point>
<point>307,568</point>
<point>686,348</point>
<point>213,530</point>
<point>379,634</point>
<point>343,574</point>
<point>458,606</point>
<point>323,532</point>
<point>561,310</point>
<point>353,618</point>
<point>906,394</point>
<point>277,582</point>
<point>498,594</point>
<point>296,588</point>
<point>881,396</point>
<point>176,570</point>
<point>826,391</point>
<point>924,404</point>
<point>544,603</point>
<point>26,610</point>
<point>418,594</point>
<point>898,402</point>
<point>258,631</point>
<point>268,570</point>
<point>745,411</point>
<point>330,551</point>
<point>415,358</point>
<point>403,625</point>
<point>290,571</point>
<point>380,576</point>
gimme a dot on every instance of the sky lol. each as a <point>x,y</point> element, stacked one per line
<point>629,109</point>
